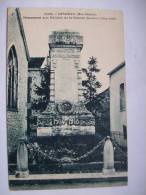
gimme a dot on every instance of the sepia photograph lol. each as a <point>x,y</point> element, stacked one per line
<point>66,98</point>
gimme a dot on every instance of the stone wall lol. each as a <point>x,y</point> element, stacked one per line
<point>17,119</point>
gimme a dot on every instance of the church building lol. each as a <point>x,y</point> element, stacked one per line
<point>17,76</point>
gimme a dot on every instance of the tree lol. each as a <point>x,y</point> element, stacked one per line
<point>42,91</point>
<point>91,84</point>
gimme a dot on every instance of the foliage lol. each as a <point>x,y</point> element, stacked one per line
<point>42,91</point>
<point>91,84</point>
<point>39,153</point>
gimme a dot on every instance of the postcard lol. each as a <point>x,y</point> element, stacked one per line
<point>66,98</point>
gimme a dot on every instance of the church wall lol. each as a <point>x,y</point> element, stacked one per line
<point>17,119</point>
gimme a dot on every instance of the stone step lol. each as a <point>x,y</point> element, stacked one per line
<point>49,181</point>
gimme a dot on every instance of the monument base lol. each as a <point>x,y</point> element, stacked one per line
<point>65,119</point>
<point>22,174</point>
<point>70,131</point>
<point>108,171</point>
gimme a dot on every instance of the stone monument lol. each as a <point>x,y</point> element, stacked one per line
<point>66,113</point>
<point>108,157</point>
<point>22,160</point>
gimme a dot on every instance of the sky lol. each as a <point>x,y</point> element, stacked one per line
<point>102,32</point>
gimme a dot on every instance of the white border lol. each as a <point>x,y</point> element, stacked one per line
<point>135,50</point>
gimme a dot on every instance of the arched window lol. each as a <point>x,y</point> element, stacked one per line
<point>12,79</point>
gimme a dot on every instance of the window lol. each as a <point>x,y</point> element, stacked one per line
<point>12,79</point>
<point>122,97</point>
<point>125,132</point>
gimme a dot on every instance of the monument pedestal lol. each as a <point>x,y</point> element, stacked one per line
<point>66,119</point>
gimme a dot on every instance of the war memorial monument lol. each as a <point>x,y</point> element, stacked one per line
<point>66,113</point>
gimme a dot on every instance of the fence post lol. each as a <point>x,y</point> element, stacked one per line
<point>22,160</point>
<point>108,157</point>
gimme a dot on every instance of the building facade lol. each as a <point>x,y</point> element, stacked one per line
<point>17,75</point>
<point>118,121</point>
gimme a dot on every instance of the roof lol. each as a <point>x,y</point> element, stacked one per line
<point>22,32</point>
<point>116,68</point>
<point>33,62</point>
<point>36,62</point>
<point>103,92</point>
